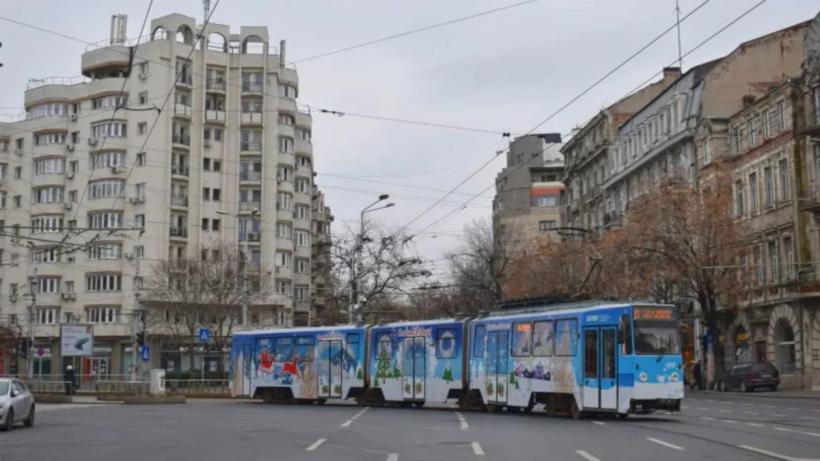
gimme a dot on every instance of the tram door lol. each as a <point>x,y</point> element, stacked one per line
<point>497,359</point>
<point>329,368</point>
<point>600,390</point>
<point>413,367</point>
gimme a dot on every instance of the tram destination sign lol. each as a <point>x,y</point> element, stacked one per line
<point>652,313</point>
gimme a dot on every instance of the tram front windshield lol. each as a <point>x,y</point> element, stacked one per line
<point>656,338</point>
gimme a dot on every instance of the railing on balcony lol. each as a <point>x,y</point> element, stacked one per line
<point>180,170</point>
<point>182,109</point>
<point>183,139</point>
<point>249,236</point>
<point>250,146</point>
<point>184,79</point>
<point>250,206</point>
<point>215,84</point>
<point>251,117</point>
<point>303,108</point>
<point>212,115</point>
<point>179,200</point>
<point>250,175</point>
<point>178,232</point>
<point>251,87</point>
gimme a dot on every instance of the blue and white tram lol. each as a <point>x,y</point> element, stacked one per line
<point>618,358</point>
<point>414,362</point>
<point>308,364</point>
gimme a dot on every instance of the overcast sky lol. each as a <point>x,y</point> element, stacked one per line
<point>501,72</point>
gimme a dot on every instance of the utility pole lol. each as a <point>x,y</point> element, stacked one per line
<point>245,262</point>
<point>353,297</point>
<point>31,317</point>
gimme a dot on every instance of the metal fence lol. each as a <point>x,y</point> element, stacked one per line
<point>124,385</point>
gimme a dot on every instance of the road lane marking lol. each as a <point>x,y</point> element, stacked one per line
<point>702,409</point>
<point>707,418</point>
<point>315,444</point>
<point>725,411</point>
<point>353,418</point>
<point>754,425</point>
<point>684,406</point>
<point>778,415</point>
<point>393,457</point>
<point>477,449</point>
<point>730,421</point>
<point>768,453</point>
<point>783,429</point>
<point>666,444</point>
<point>600,423</point>
<point>751,413</point>
<point>462,421</point>
<point>586,455</point>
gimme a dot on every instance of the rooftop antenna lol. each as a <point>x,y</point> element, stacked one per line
<point>206,5</point>
<point>680,55</point>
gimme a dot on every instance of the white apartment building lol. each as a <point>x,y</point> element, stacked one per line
<point>228,161</point>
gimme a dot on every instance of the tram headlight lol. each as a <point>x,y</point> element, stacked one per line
<point>673,377</point>
<point>643,377</point>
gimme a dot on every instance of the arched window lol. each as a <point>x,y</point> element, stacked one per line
<point>185,35</point>
<point>253,45</point>
<point>159,34</point>
<point>216,42</point>
<point>784,345</point>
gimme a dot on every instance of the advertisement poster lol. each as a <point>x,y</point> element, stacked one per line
<point>76,340</point>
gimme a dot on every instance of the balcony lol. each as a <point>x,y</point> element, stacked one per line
<point>249,206</point>
<point>182,139</point>
<point>250,236</point>
<point>251,87</point>
<point>250,147</point>
<point>811,199</point>
<point>215,84</point>
<point>181,110</point>
<point>179,201</point>
<point>215,116</point>
<point>185,80</point>
<point>180,170</point>
<point>251,118</point>
<point>178,232</point>
<point>250,176</point>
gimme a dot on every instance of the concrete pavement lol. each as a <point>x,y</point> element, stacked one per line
<point>713,426</point>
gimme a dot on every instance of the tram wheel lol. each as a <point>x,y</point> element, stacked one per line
<point>623,415</point>
<point>492,408</point>
<point>574,411</point>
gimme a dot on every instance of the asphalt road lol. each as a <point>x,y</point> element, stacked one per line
<point>712,426</point>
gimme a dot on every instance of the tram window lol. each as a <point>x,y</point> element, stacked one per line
<point>608,359</point>
<point>522,339</point>
<point>446,346</point>
<point>566,337</point>
<point>283,348</point>
<point>304,347</point>
<point>591,354</point>
<point>385,349</point>
<point>478,341</point>
<point>542,339</point>
<point>352,344</point>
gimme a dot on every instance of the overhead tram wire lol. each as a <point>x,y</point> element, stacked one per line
<point>413,31</point>
<point>564,107</point>
<point>696,47</point>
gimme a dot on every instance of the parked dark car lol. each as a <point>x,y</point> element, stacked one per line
<point>746,377</point>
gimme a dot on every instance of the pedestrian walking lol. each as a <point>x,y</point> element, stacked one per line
<point>696,375</point>
<point>68,380</point>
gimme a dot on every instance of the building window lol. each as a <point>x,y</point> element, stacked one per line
<point>142,97</point>
<point>285,119</point>
<point>47,315</point>
<point>101,314</point>
<point>103,282</point>
<point>283,259</point>
<point>109,102</point>
<point>46,110</point>
<point>302,212</point>
<point>774,261</point>
<point>106,188</point>
<point>768,183</point>
<point>285,201</point>
<point>46,255</point>
<point>283,230</point>
<point>300,293</point>
<point>784,347</point>
<point>788,258</point>
<point>739,198</point>
<point>44,139</point>
<point>108,159</point>
<point>285,144</point>
<point>783,170</point>
<point>46,224</point>
<point>283,287</point>
<point>104,251</point>
<point>303,185</point>
<point>301,265</point>
<point>139,251</point>
<point>753,193</point>
<point>115,129</point>
<point>48,284</point>
<point>105,220</point>
<point>546,225</point>
<point>139,221</point>
<point>142,128</point>
<point>302,238</point>
<point>48,194</point>
<point>545,201</point>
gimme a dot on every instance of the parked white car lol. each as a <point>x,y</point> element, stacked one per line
<point>16,404</point>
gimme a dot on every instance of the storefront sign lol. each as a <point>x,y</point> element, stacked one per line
<point>76,340</point>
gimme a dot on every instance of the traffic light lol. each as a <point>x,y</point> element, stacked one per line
<point>141,338</point>
<point>23,347</point>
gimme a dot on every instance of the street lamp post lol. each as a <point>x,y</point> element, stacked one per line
<point>354,276</point>
<point>246,256</point>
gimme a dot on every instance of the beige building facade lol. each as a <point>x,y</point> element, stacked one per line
<point>192,140</point>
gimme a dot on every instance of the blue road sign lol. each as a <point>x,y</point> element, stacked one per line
<point>145,353</point>
<point>203,334</point>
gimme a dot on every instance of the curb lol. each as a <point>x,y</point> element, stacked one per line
<point>768,395</point>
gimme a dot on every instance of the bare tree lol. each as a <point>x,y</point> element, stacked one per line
<point>378,266</point>
<point>479,267</point>
<point>188,293</point>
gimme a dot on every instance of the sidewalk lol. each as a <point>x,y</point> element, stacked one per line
<point>787,394</point>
